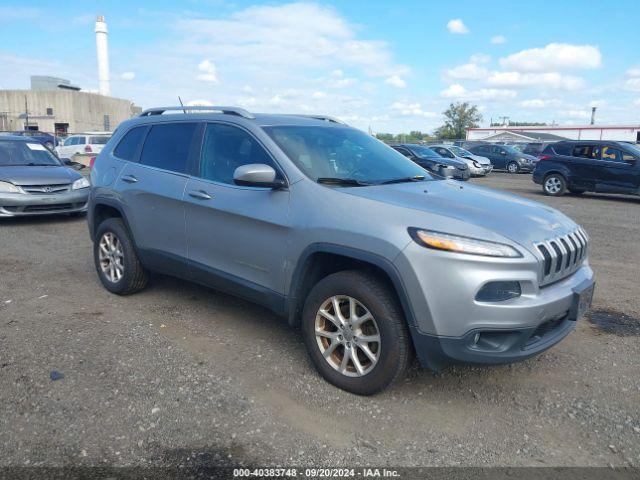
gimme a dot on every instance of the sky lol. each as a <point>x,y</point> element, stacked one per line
<point>391,66</point>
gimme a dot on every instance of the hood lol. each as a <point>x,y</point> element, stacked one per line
<point>26,175</point>
<point>459,163</point>
<point>479,159</point>
<point>522,221</point>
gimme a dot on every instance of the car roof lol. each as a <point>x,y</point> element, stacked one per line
<point>590,142</point>
<point>15,138</point>
<point>234,115</point>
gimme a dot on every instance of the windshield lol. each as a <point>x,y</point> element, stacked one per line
<point>345,153</point>
<point>422,151</point>
<point>25,153</point>
<point>460,152</point>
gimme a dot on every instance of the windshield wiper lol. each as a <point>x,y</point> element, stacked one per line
<point>342,181</point>
<point>416,178</point>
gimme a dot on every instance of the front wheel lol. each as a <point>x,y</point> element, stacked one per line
<point>116,260</point>
<point>554,185</point>
<point>513,167</point>
<point>355,332</point>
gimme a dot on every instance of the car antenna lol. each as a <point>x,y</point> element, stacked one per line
<point>182,104</point>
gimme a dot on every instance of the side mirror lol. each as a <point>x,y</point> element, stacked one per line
<point>257,175</point>
<point>70,163</point>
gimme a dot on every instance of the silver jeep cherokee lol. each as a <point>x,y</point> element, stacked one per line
<point>339,233</point>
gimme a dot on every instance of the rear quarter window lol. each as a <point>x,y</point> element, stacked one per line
<point>98,140</point>
<point>128,146</point>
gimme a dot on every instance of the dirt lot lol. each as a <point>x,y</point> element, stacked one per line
<point>180,374</point>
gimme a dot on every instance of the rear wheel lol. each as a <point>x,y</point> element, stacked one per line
<point>355,332</point>
<point>513,167</point>
<point>554,185</point>
<point>116,260</point>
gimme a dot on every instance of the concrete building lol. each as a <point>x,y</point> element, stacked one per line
<point>628,133</point>
<point>62,111</point>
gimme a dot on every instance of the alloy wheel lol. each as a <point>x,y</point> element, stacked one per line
<point>111,257</point>
<point>347,336</point>
<point>512,167</point>
<point>553,185</point>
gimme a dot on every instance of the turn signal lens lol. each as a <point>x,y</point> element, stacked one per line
<point>459,244</point>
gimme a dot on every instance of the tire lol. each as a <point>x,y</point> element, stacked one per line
<point>392,351</point>
<point>133,276</point>
<point>576,191</point>
<point>554,185</point>
<point>513,167</point>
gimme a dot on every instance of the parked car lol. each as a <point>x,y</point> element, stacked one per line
<point>82,144</point>
<point>593,166</point>
<point>340,234</point>
<point>434,163</point>
<point>34,182</point>
<point>48,140</point>
<point>478,166</point>
<point>506,157</point>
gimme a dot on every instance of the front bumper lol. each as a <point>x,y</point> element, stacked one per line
<point>442,288</point>
<point>527,167</point>
<point>27,204</point>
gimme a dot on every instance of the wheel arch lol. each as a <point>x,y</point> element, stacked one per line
<point>101,210</point>
<point>322,259</point>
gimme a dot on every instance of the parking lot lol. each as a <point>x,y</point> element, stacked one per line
<point>180,374</point>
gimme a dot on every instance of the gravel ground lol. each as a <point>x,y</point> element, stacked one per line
<point>182,375</point>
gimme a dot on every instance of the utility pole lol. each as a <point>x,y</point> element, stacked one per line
<point>593,115</point>
<point>26,114</point>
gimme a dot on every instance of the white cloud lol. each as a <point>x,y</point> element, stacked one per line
<point>633,84</point>
<point>524,80</point>
<point>457,91</point>
<point>636,102</point>
<point>396,81</point>
<point>411,110</point>
<point>634,72</point>
<point>575,114</point>
<point>199,103</point>
<point>553,57</point>
<point>457,27</point>
<point>18,13</point>
<point>473,70</point>
<point>208,71</point>
<point>127,76</point>
<point>540,103</point>
<point>498,40</point>
<point>319,94</point>
<point>288,38</point>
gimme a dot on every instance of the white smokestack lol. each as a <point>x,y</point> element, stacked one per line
<point>102,49</point>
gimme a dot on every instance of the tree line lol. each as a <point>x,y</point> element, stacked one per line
<point>457,119</point>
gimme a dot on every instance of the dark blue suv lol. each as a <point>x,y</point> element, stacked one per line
<point>593,166</point>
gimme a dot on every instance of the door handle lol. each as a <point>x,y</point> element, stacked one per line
<point>200,194</point>
<point>129,179</point>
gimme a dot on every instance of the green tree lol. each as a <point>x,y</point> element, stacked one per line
<point>458,118</point>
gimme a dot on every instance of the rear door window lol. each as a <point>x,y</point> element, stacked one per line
<point>128,146</point>
<point>81,141</point>
<point>167,146</point>
<point>584,151</point>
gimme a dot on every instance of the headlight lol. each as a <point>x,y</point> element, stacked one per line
<point>477,165</point>
<point>448,167</point>
<point>525,160</point>
<point>80,183</point>
<point>458,244</point>
<point>6,187</point>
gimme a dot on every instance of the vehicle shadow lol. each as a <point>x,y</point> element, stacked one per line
<point>607,197</point>
<point>42,219</point>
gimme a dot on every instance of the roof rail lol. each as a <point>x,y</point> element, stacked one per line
<point>324,118</point>
<point>241,112</point>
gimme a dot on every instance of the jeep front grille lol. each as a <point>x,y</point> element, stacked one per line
<point>561,256</point>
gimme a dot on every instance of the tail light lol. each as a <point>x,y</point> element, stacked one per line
<point>544,157</point>
<point>87,148</point>
<point>92,161</point>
